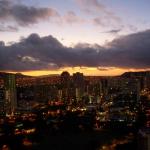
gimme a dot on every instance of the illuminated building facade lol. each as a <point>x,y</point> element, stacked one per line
<point>78,81</point>
<point>10,94</point>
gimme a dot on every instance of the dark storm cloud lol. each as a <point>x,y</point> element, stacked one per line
<point>8,28</point>
<point>133,28</point>
<point>114,31</point>
<point>38,53</point>
<point>24,15</point>
<point>107,21</point>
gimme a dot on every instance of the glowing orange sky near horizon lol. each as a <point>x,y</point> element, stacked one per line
<point>92,71</point>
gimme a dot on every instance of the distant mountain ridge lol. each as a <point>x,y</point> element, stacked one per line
<point>136,74</point>
<point>126,74</point>
<point>18,75</point>
<point>49,75</point>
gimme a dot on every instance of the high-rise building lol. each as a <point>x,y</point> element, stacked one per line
<point>2,100</point>
<point>10,94</point>
<point>78,81</point>
<point>144,139</point>
<point>65,85</point>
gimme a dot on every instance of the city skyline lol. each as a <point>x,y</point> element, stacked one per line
<point>90,36</point>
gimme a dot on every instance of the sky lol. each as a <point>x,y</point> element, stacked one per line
<point>96,37</point>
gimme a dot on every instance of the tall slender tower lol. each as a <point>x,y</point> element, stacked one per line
<point>10,94</point>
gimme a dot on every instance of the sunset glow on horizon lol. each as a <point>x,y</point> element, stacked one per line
<point>86,71</point>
